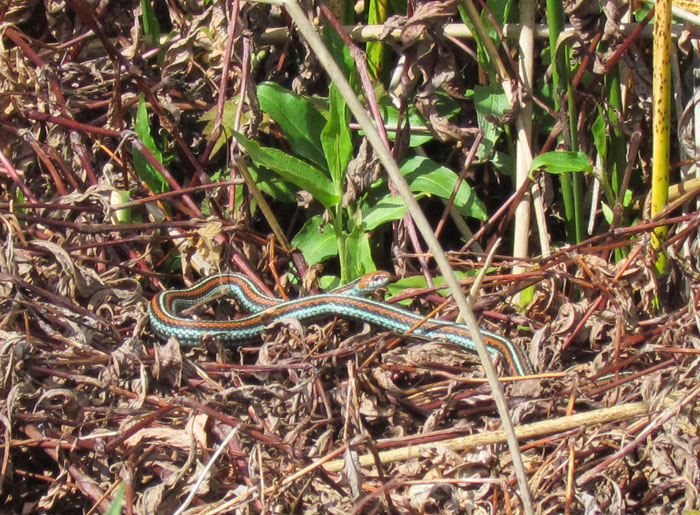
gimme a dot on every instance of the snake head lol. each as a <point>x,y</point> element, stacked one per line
<point>372,281</point>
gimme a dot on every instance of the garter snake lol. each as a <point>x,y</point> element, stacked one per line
<point>166,320</point>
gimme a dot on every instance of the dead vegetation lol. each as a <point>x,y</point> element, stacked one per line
<point>330,418</point>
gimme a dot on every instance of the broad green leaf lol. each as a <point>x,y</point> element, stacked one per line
<point>298,117</point>
<point>328,282</point>
<point>296,171</point>
<point>336,138</point>
<point>561,161</point>
<point>339,51</point>
<point>147,172</point>
<point>271,184</point>
<point>491,105</point>
<point>358,253</point>
<point>316,240</point>
<point>426,176</point>
<point>388,209</point>
<point>503,163</point>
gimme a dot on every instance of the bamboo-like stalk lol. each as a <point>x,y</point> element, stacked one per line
<point>523,149</point>
<point>661,122</point>
<point>375,32</point>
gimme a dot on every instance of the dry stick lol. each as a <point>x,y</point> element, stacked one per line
<point>460,179</point>
<point>262,203</point>
<point>336,75</point>
<point>378,32</point>
<point>245,79</point>
<point>544,427</point>
<point>12,172</point>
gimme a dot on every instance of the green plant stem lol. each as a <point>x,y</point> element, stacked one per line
<point>576,178</point>
<point>571,187</point>
<point>340,238</point>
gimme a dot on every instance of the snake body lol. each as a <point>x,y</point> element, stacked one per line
<point>347,302</point>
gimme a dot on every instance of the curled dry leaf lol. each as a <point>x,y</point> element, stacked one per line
<point>568,317</point>
<point>428,14</point>
<point>69,405</point>
<point>427,497</point>
<point>167,365</point>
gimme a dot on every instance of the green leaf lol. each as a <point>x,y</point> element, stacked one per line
<point>339,51</point>
<point>145,170</point>
<point>481,53</point>
<point>316,240</point>
<point>117,197</point>
<point>561,161</point>
<point>20,199</point>
<point>388,209</point>
<point>271,184</point>
<point>336,138</point>
<point>503,163</point>
<point>358,253</point>
<point>491,105</point>
<point>151,27</point>
<point>376,51</point>
<point>607,212</point>
<point>296,171</point>
<point>426,176</point>
<point>299,118</point>
<point>600,137</point>
<point>328,282</point>
<point>115,507</point>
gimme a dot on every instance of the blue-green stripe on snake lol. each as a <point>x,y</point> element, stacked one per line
<point>346,302</point>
